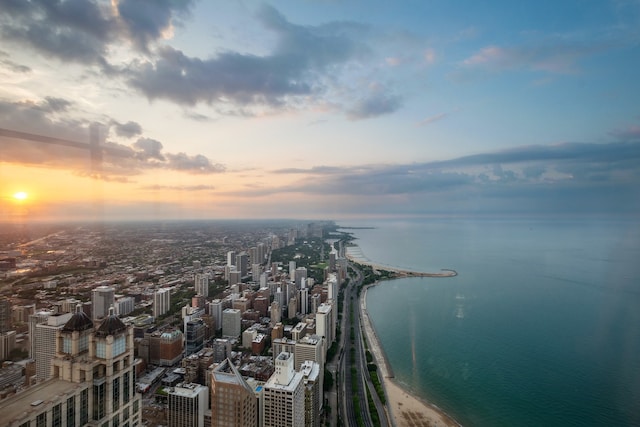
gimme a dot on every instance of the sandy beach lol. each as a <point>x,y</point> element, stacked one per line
<point>406,410</point>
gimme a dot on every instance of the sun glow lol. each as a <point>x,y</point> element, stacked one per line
<point>20,195</point>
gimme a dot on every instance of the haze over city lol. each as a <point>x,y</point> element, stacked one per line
<point>319,108</point>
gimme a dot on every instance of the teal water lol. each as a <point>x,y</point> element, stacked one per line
<point>540,328</point>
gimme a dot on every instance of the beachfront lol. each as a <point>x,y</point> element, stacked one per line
<point>405,409</point>
<point>354,254</point>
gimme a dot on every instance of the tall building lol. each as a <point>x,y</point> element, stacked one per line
<point>35,319</point>
<point>325,326</point>
<point>201,283</point>
<point>102,298</point>
<point>301,273</point>
<point>161,301</point>
<point>194,336</point>
<point>276,312</point>
<point>242,263</point>
<point>45,340</point>
<point>215,310</point>
<point>233,402</point>
<point>124,306</point>
<point>231,322</point>
<point>5,315</point>
<point>187,404</point>
<point>283,395</point>
<point>312,393</point>
<point>309,347</point>
<point>93,381</point>
<point>7,344</point>
<point>231,258</point>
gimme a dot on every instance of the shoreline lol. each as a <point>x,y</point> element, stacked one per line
<point>403,408</point>
<point>401,272</point>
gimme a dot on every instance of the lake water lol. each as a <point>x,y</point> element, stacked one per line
<point>541,327</point>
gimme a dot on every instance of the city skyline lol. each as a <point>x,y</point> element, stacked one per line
<point>319,109</point>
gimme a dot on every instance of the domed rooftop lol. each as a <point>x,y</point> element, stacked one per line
<point>78,322</point>
<point>111,325</point>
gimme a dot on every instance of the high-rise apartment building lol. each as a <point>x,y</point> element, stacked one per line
<point>161,301</point>
<point>187,404</point>
<point>102,298</point>
<point>242,263</point>
<point>231,258</point>
<point>283,395</point>
<point>312,393</point>
<point>201,282</point>
<point>194,336</point>
<point>233,402</point>
<point>325,326</point>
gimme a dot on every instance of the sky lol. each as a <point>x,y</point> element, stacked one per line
<point>325,109</point>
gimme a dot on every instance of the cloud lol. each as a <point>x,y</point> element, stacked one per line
<point>528,179</point>
<point>299,70</point>
<point>549,56</point>
<point>83,31</point>
<point>630,133</point>
<point>127,130</point>
<point>55,140</point>
<point>196,164</point>
<point>374,104</point>
<point>7,63</point>
<point>432,119</point>
<point>178,187</point>
<point>146,24</point>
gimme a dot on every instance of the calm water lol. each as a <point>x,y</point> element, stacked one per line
<point>540,328</point>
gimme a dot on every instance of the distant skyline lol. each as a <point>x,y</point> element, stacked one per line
<point>320,109</point>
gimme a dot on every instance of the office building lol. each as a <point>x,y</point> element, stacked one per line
<point>215,311</point>
<point>45,340</point>
<point>242,263</point>
<point>231,258</point>
<point>231,322</point>
<point>301,273</point>
<point>187,404</point>
<point>194,336</point>
<point>233,402</point>
<point>161,302</point>
<point>7,344</point>
<point>283,395</point>
<point>102,298</point>
<point>93,382</point>
<point>36,319</point>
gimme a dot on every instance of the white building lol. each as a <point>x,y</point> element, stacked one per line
<point>161,302</point>
<point>313,397</point>
<point>45,343</point>
<point>283,395</point>
<point>102,298</point>
<point>187,405</point>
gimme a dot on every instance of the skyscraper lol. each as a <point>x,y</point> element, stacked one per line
<point>284,395</point>
<point>45,341</point>
<point>231,322</point>
<point>5,315</point>
<point>201,282</point>
<point>233,402</point>
<point>93,380</point>
<point>161,301</point>
<point>102,298</point>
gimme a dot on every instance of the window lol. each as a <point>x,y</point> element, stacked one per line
<point>115,393</point>
<point>57,415</point>
<point>71,412</point>
<point>84,407</point>
<point>126,387</point>
<point>99,401</point>
<point>41,420</point>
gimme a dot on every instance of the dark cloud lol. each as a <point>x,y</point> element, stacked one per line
<point>147,20</point>
<point>147,148</point>
<point>127,130</point>
<point>558,178</point>
<point>299,65</point>
<point>197,164</point>
<point>374,105</point>
<point>58,104</point>
<point>64,143</point>
<point>83,30</point>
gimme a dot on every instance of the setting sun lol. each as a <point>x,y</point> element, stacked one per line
<point>20,195</point>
